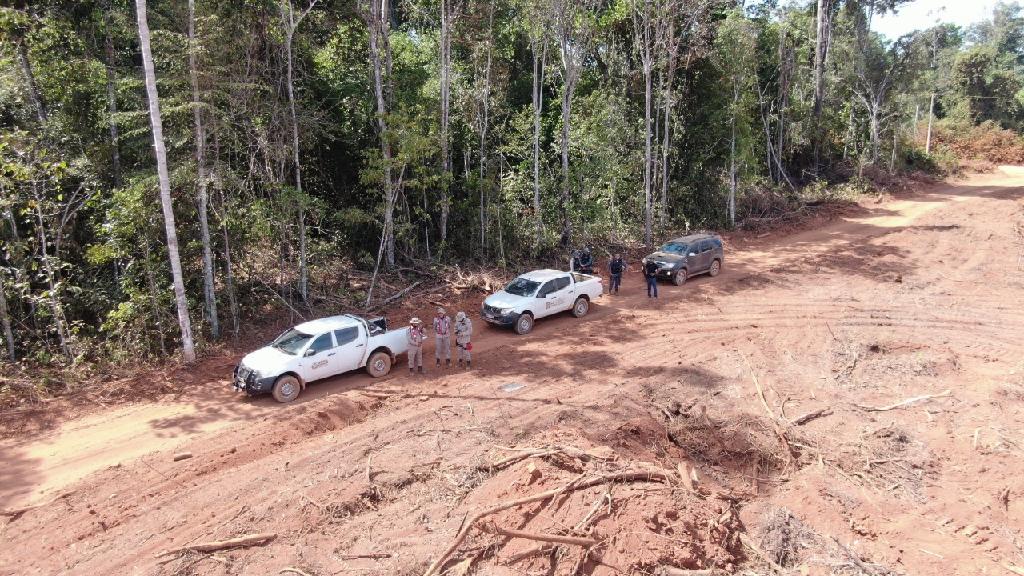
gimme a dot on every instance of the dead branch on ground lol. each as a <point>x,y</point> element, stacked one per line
<point>371,556</point>
<point>294,570</point>
<point>240,542</point>
<point>812,416</point>
<point>670,571</point>
<point>467,525</point>
<point>397,296</point>
<point>554,538</point>
<point>904,403</point>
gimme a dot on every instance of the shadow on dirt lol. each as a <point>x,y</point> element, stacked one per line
<point>19,475</point>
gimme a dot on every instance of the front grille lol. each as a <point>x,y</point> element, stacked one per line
<point>491,310</point>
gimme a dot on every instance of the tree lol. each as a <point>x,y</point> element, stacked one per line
<point>735,48</point>
<point>209,294</point>
<point>160,149</point>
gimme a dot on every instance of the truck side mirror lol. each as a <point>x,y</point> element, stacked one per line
<point>309,352</point>
<point>692,254</point>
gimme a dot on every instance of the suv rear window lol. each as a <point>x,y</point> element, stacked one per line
<point>346,335</point>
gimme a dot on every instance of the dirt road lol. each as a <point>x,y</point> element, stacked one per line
<point>897,300</point>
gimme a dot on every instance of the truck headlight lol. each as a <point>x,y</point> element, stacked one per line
<point>506,311</point>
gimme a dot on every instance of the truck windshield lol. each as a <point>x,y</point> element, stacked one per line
<point>291,341</point>
<point>674,248</point>
<point>522,287</point>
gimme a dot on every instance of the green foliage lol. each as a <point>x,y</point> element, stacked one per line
<point>83,263</point>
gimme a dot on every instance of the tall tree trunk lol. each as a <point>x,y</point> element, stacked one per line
<point>292,24</point>
<point>931,116</point>
<point>821,45</point>
<point>539,63</point>
<point>786,60</point>
<point>115,143</point>
<point>648,193</point>
<point>5,320</point>
<point>667,136</point>
<point>566,185</point>
<point>732,154</point>
<point>30,80</point>
<point>209,293</point>
<point>184,321</point>
<point>446,155</point>
<point>875,131</point>
<point>380,57</point>
<point>485,105</point>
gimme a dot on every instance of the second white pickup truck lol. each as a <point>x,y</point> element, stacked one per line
<point>541,293</point>
<point>318,349</point>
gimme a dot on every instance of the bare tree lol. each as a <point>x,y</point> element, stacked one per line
<point>573,42</point>
<point>483,122</point>
<point>184,322</point>
<point>539,50</point>
<point>291,23</point>
<point>646,36</point>
<point>376,14</point>
<point>449,10</point>
<point>209,293</point>
<point>821,46</point>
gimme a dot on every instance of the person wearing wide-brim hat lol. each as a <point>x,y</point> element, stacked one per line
<point>415,336</point>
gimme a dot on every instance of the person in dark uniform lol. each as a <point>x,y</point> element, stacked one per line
<point>615,268</point>
<point>651,274</point>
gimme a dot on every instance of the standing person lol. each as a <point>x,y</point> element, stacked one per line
<point>463,335</point>
<point>443,337</point>
<point>615,268</point>
<point>416,336</point>
<point>651,274</point>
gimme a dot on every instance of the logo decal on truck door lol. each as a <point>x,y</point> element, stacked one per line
<point>319,364</point>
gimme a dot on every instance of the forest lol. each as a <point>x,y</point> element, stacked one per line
<point>172,170</point>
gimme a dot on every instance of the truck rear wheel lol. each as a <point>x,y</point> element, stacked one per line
<point>379,364</point>
<point>716,267</point>
<point>524,324</point>
<point>286,388</point>
<point>581,307</point>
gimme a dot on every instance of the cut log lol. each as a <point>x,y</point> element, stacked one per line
<point>371,556</point>
<point>240,542</point>
<point>182,456</point>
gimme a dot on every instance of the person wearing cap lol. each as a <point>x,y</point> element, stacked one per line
<point>416,336</point>
<point>443,337</point>
<point>463,334</point>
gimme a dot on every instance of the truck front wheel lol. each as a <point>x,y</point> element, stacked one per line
<point>379,364</point>
<point>581,307</point>
<point>524,324</point>
<point>286,388</point>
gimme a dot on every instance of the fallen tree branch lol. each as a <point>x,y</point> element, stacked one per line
<point>240,542</point>
<point>467,525</point>
<point>775,421</point>
<point>294,570</point>
<point>15,513</point>
<point>670,571</point>
<point>397,296</point>
<point>371,556</point>
<point>812,416</point>
<point>760,553</point>
<point>555,538</point>
<point>905,403</point>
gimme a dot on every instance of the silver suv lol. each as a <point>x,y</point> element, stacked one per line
<point>688,256</point>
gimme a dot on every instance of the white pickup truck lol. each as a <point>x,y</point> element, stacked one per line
<point>319,349</point>
<point>541,293</point>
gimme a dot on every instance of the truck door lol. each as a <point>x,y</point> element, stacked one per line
<point>547,301</point>
<point>315,362</point>
<point>705,256</point>
<point>563,295</point>
<point>349,350</point>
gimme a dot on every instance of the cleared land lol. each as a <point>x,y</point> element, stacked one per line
<point>918,298</point>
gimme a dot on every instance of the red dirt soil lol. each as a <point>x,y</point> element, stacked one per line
<point>895,300</point>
